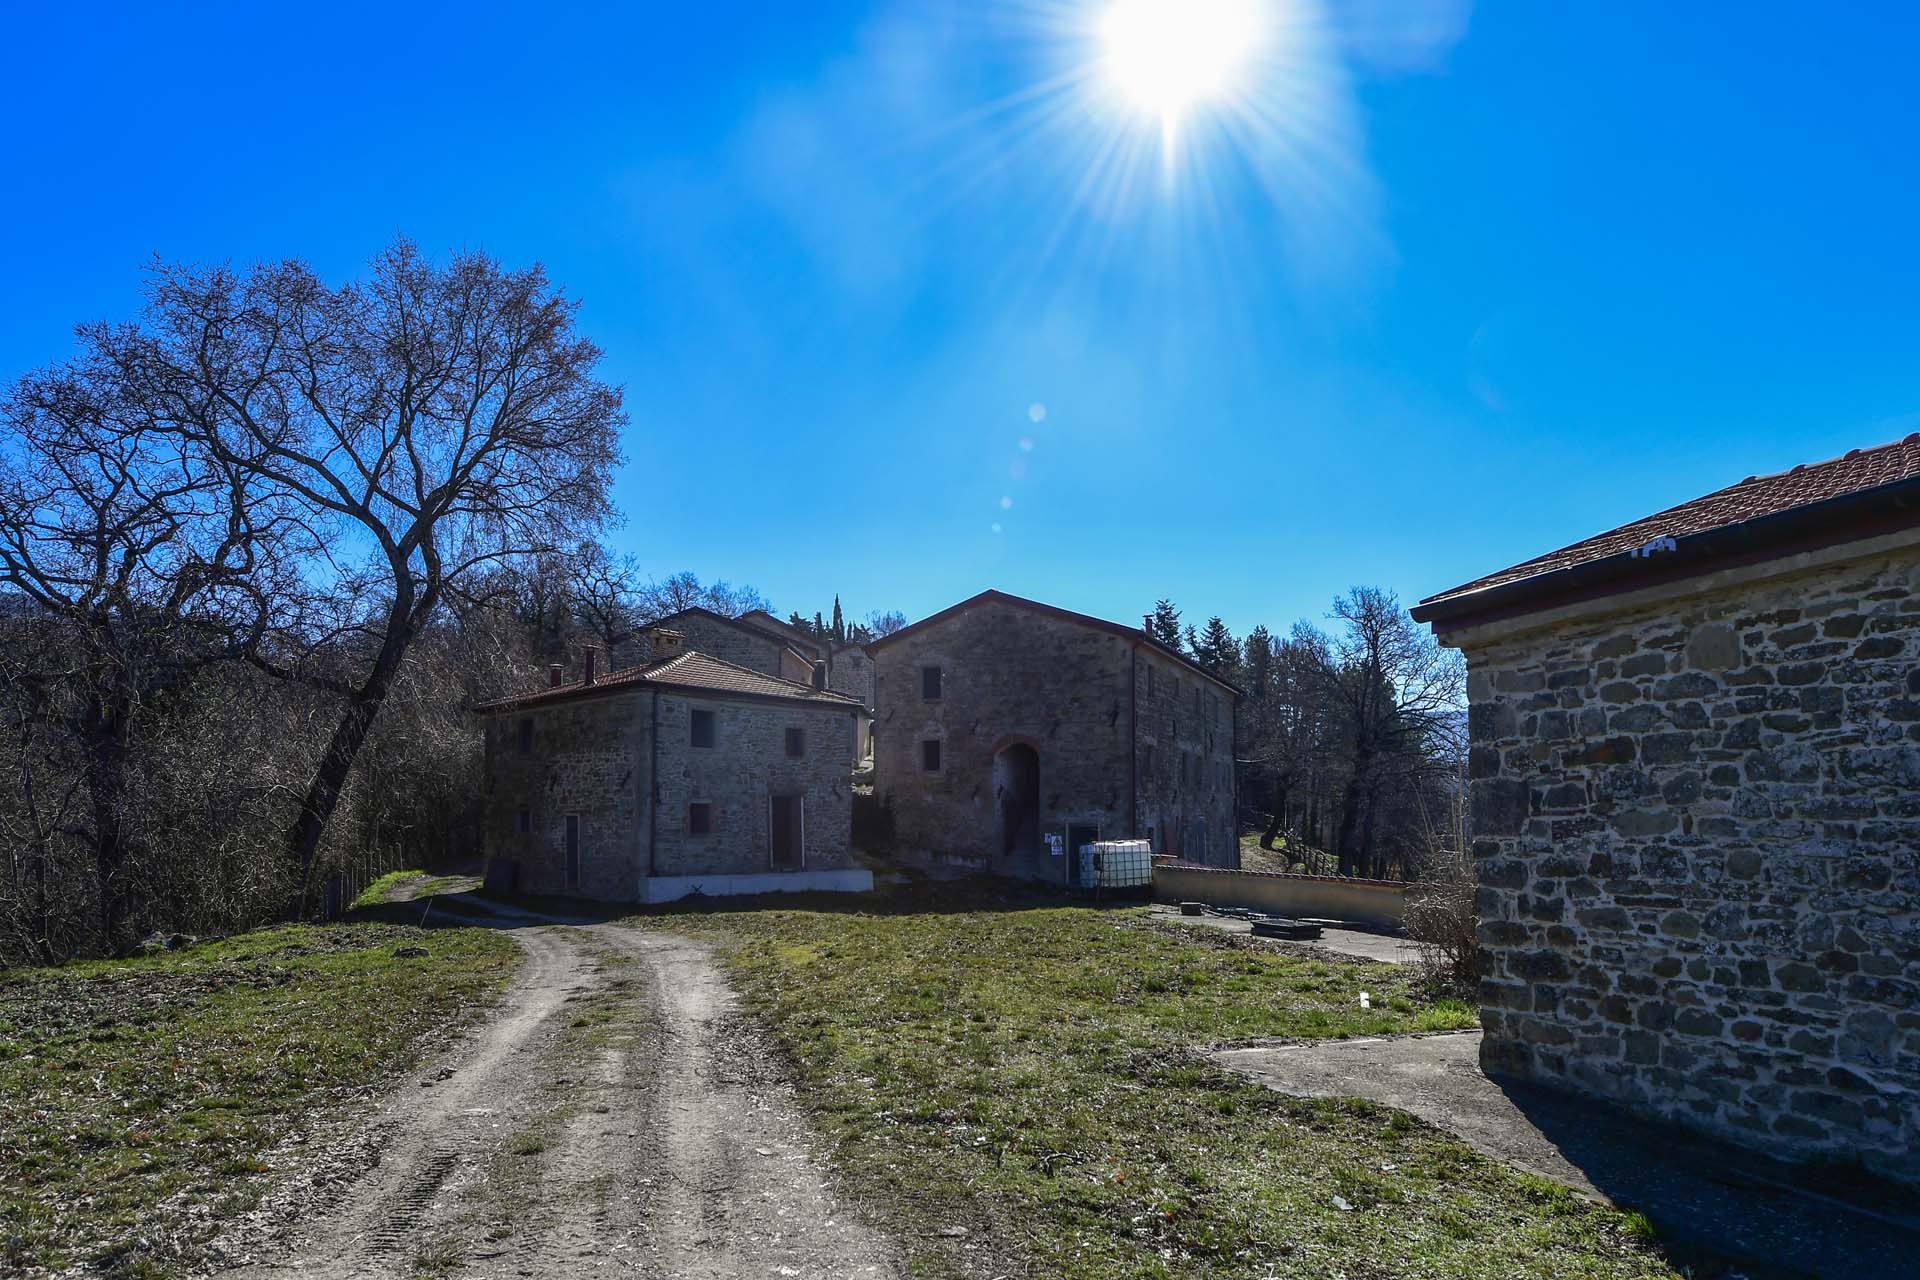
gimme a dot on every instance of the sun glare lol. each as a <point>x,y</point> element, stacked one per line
<point>1168,56</point>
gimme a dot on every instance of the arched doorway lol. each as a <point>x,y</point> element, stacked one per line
<point>1016,801</point>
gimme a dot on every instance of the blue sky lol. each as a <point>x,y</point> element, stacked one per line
<point>1440,289</point>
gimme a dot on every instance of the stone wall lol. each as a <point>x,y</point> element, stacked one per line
<point>588,758</point>
<point>1185,774</point>
<point>1014,676</point>
<point>738,775</point>
<point>1697,830</point>
<point>727,642</point>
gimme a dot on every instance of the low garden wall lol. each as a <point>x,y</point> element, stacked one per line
<point>1375,902</point>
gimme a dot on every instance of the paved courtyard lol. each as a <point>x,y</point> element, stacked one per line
<point>1779,1220</point>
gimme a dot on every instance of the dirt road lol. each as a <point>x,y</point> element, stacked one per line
<point>617,1115</point>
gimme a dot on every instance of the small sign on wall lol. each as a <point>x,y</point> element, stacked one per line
<point>1056,843</point>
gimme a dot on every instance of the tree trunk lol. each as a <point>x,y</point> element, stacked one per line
<point>1352,812</point>
<point>105,744</point>
<point>336,765</point>
<point>1278,819</point>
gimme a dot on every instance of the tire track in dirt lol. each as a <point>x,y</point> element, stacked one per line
<point>616,1115</point>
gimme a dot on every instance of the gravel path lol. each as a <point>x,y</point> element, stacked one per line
<point>617,1115</point>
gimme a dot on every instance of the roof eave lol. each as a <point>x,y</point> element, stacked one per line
<point>1849,517</point>
<point>553,697</point>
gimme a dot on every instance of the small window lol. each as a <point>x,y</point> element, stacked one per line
<point>1146,761</point>
<point>703,728</point>
<point>525,730</point>
<point>930,755</point>
<point>796,743</point>
<point>931,680</point>
<point>699,819</point>
<point>523,821</point>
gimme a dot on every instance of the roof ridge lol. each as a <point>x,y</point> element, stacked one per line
<point>701,653</point>
<point>1851,455</point>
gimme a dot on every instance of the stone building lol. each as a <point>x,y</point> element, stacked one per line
<point>761,642</point>
<point>1003,721</point>
<point>849,665</point>
<point>687,773</point>
<point>1695,810</point>
<point>735,640</point>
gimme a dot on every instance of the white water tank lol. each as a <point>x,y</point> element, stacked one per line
<point>1116,864</point>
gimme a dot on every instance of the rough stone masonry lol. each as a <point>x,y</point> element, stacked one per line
<point>1697,828</point>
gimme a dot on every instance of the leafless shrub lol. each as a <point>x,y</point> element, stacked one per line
<point>1442,919</point>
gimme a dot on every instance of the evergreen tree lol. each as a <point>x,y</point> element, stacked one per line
<point>839,622</point>
<point>798,622</point>
<point>1215,648</point>
<point>819,625</point>
<point>1258,662</point>
<point>1166,624</point>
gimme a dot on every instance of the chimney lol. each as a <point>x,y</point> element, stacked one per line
<point>664,644</point>
<point>555,674</point>
<point>1146,623</point>
<point>590,659</point>
<point>819,675</point>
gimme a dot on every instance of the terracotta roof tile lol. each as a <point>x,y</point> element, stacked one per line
<point>1752,498</point>
<point>695,671</point>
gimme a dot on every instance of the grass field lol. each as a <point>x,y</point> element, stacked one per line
<point>1022,1088</point>
<point>138,1097</point>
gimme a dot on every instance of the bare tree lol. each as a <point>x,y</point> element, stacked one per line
<point>880,623</point>
<point>1290,730</point>
<point>140,560</point>
<point>684,590</point>
<point>430,422</point>
<point>1396,690</point>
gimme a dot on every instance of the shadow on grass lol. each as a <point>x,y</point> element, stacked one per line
<point>915,896</point>
<point>1719,1209</point>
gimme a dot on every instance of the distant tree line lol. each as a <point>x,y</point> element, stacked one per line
<point>839,631</point>
<point>261,549</point>
<point>1350,741</point>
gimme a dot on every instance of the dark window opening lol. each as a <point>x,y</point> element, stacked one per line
<point>573,851</point>
<point>703,728</point>
<point>699,819</point>
<point>930,755</point>
<point>796,743</point>
<point>931,679</point>
<point>526,735</point>
<point>1146,762</point>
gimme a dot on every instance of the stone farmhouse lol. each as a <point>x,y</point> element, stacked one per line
<point>849,665</point>
<point>685,773</point>
<point>1695,810</point>
<point>1004,721</point>
<point>761,642</point>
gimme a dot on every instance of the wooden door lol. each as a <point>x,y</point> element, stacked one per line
<point>788,833</point>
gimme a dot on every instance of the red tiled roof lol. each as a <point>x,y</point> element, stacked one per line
<point>693,672</point>
<point>1756,497</point>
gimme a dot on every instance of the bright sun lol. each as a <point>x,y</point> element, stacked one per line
<point>1167,56</point>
